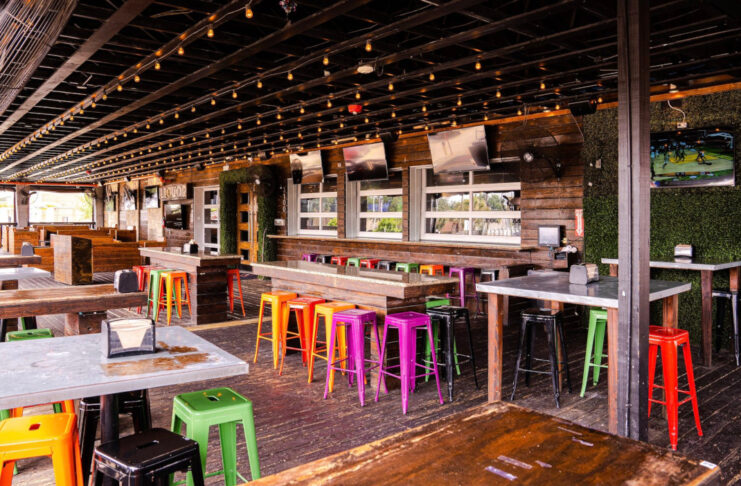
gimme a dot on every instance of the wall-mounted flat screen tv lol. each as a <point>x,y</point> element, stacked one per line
<point>128,200</point>
<point>176,216</point>
<point>692,158</point>
<point>306,168</point>
<point>151,197</point>
<point>459,150</point>
<point>366,162</point>
<point>110,201</point>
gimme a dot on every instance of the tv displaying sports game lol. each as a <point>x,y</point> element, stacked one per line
<point>366,162</point>
<point>692,158</point>
<point>459,150</point>
<point>306,168</point>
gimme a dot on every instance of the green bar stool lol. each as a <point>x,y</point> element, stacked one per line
<point>155,280</point>
<point>434,301</point>
<point>353,262</point>
<point>29,334</point>
<point>595,346</point>
<point>201,410</point>
<point>407,267</point>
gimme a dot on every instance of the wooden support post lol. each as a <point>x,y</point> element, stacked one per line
<point>496,318</point>
<point>631,395</point>
<point>706,290</point>
<point>671,311</point>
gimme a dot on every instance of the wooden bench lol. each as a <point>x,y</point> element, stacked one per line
<point>17,236</point>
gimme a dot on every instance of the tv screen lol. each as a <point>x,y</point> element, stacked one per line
<point>366,162</point>
<point>110,201</point>
<point>306,168</point>
<point>151,197</point>
<point>128,203</point>
<point>692,158</point>
<point>175,216</point>
<point>459,150</point>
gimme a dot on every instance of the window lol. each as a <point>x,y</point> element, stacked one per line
<point>380,208</point>
<point>317,208</point>
<point>7,206</point>
<point>470,206</point>
<point>60,207</point>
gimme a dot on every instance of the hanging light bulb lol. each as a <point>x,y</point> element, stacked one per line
<point>93,105</point>
<point>319,129</point>
<point>393,114</point>
<point>278,116</point>
<point>499,94</point>
<point>301,110</point>
<point>248,13</point>
<point>366,120</point>
<point>157,65</point>
<point>239,126</point>
<point>181,51</point>
<point>290,76</point>
<point>542,85</point>
<point>391,86</point>
<point>213,101</point>
<point>105,96</point>
<point>259,83</point>
<point>300,135</point>
<point>119,87</point>
<point>210,32</point>
<point>329,103</point>
<point>477,66</point>
<point>368,46</point>
<point>432,76</point>
<point>193,109</point>
<point>486,117</point>
<point>259,122</point>
<point>162,121</point>
<point>147,126</point>
<point>325,61</point>
<point>137,78</point>
<point>357,95</point>
<point>177,115</point>
<point>459,102</point>
<point>558,106</point>
<point>519,111</point>
<point>234,94</point>
<point>342,125</point>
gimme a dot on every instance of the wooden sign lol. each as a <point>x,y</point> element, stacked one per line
<point>175,191</point>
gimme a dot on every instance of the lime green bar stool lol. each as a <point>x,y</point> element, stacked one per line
<point>407,267</point>
<point>29,334</point>
<point>595,346</point>
<point>201,410</point>
<point>155,280</point>
<point>431,303</point>
<point>353,262</point>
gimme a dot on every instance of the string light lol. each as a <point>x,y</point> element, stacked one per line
<point>325,61</point>
<point>137,78</point>
<point>278,116</point>
<point>213,101</point>
<point>93,105</point>
<point>248,13</point>
<point>542,85</point>
<point>393,114</point>
<point>259,83</point>
<point>181,51</point>
<point>157,65</point>
<point>162,121</point>
<point>519,111</point>
<point>477,66</point>
<point>210,32</point>
<point>290,76</point>
<point>424,108</point>
<point>105,96</point>
<point>119,87</point>
<point>329,103</point>
<point>459,102</point>
<point>177,115</point>
<point>301,110</point>
<point>432,76</point>
<point>499,94</point>
<point>368,46</point>
<point>391,86</point>
<point>234,94</point>
<point>357,95</point>
<point>193,109</point>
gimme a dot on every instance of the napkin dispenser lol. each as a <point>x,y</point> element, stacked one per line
<point>127,337</point>
<point>125,281</point>
<point>191,247</point>
<point>684,251</point>
<point>583,274</point>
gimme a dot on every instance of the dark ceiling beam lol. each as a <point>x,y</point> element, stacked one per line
<point>116,22</point>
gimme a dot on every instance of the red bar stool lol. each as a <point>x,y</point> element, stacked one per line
<point>142,277</point>
<point>669,339</point>
<point>369,262</point>
<point>303,308</point>
<point>231,275</point>
<point>279,311</point>
<point>432,269</point>
<point>339,260</point>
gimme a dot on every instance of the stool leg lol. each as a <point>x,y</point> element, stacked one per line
<point>241,300</point>
<point>3,329</point>
<point>63,460</point>
<point>523,337</point>
<point>359,354</point>
<point>196,469</point>
<point>691,382</point>
<point>312,345</point>
<point>436,335</point>
<point>652,350</point>
<point>329,382</point>
<point>449,356</point>
<point>381,353</point>
<point>529,346</point>
<point>404,362</point>
<point>564,353</point>
<point>230,292</point>
<point>734,310</point>
<point>259,328</point>
<point>434,368</point>
<point>470,347</point>
<point>228,439</point>
<point>588,353</point>
<point>378,353</point>
<point>553,358</point>
<point>599,349</point>
<point>669,366</point>
<point>275,312</point>
<point>462,288</point>
<point>169,288</point>
<point>88,427</point>
<point>198,433</point>
<point>187,295</point>
<point>719,313</point>
<point>250,437</point>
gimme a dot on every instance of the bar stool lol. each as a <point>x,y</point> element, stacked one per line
<point>339,260</point>
<point>324,259</point>
<point>492,273</point>
<point>432,269</point>
<point>723,296</point>
<point>225,408</point>
<point>135,404</point>
<point>595,347</point>
<point>231,275</point>
<point>155,281</point>
<point>32,436</point>
<point>147,458</point>
<point>369,262</point>
<point>24,323</point>
<point>669,339</point>
<point>30,334</point>
<point>407,324</point>
<point>449,315</point>
<point>407,267</point>
<point>309,257</point>
<point>326,311</point>
<point>385,265</point>
<point>355,320</point>
<point>353,262</point>
<point>462,273</point>
<point>303,308</point>
<point>552,324</point>
<point>175,281</point>
<point>279,312</point>
<point>142,278</point>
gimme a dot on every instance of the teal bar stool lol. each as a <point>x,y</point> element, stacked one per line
<point>432,302</point>
<point>201,410</point>
<point>155,280</point>
<point>595,346</point>
<point>407,267</point>
<point>353,262</point>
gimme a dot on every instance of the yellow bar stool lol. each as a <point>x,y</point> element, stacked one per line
<point>278,301</point>
<point>174,282</point>
<point>432,269</point>
<point>326,311</point>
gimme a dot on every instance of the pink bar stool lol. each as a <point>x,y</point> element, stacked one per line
<point>462,273</point>
<point>309,257</point>
<point>355,321</point>
<point>407,324</point>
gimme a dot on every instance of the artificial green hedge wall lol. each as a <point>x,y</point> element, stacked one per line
<point>707,218</point>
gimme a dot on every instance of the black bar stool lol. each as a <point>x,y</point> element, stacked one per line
<point>385,265</point>
<point>324,259</point>
<point>552,325</point>
<point>723,296</point>
<point>134,403</point>
<point>448,315</point>
<point>147,458</point>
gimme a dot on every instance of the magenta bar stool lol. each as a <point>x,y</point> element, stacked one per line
<point>309,257</point>
<point>407,324</point>
<point>462,272</point>
<point>355,321</point>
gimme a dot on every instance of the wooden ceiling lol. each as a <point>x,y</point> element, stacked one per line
<point>136,86</point>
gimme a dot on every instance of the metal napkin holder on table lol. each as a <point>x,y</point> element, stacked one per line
<point>583,274</point>
<point>684,251</point>
<point>128,337</point>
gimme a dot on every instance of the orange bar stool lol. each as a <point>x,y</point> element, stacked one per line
<point>669,339</point>
<point>326,311</point>
<point>369,262</point>
<point>279,312</point>
<point>303,308</point>
<point>52,436</point>
<point>432,269</point>
<point>339,260</point>
<point>231,275</point>
<point>142,277</point>
<point>174,283</point>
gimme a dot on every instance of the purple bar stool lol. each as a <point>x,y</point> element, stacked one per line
<point>407,323</point>
<point>355,321</point>
<point>309,257</point>
<point>462,272</point>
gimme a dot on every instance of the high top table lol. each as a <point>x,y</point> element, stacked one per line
<point>706,268</point>
<point>554,287</point>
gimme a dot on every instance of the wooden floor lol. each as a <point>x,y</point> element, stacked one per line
<point>296,425</point>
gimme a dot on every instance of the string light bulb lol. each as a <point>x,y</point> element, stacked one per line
<point>499,94</point>
<point>234,94</point>
<point>477,66</point>
<point>368,46</point>
<point>325,60</point>
<point>177,115</point>
<point>181,51</point>
<point>289,76</point>
<point>210,32</point>
<point>259,83</point>
<point>432,76</point>
<point>213,101</point>
<point>391,86</point>
<point>193,109</point>
<point>393,114</point>
<point>329,103</point>
<point>137,78</point>
<point>157,65</point>
<point>542,85</point>
<point>424,108</point>
<point>119,87</point>
<point>248,13</point>
<point>459,102</point>
<point>105,96</point>
<point>519,111</point>
<point>301,110</point>
<point>93,105</point>
<point>357,95</point>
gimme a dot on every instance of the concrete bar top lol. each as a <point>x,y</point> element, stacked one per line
<point>22,273</point>
<point>198,259</point>
<point>50,370</point>
<point>686,264</point>
<point>555,286</point>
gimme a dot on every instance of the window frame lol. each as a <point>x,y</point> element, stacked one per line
<point>471,187</point>
<point>321,195</point>
<point>13,207</point>
<point>379,214</point>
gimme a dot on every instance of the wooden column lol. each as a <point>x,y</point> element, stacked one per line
<point>629,391</point>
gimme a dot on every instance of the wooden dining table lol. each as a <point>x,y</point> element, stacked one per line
<point>7,261</point>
